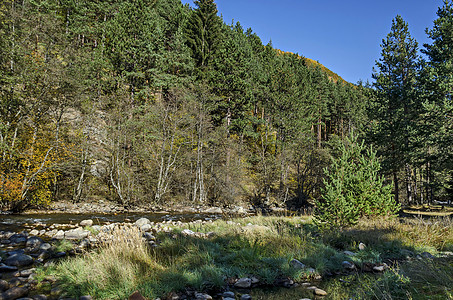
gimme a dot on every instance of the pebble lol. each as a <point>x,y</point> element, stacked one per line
<point>243,283</point>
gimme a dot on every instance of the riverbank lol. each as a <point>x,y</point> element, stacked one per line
<point>248,256</point>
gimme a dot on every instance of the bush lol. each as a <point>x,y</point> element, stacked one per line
<point>353,188</point>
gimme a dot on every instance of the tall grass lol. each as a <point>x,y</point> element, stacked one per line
<point>263,249</point>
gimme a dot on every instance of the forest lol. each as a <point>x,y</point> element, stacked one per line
<point>147,102</point>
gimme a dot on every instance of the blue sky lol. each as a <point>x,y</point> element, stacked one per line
<point>343,35</point>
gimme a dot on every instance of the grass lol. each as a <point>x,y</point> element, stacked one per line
<point>263,247</point>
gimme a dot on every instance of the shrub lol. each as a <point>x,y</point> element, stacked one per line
<point>353,188</point>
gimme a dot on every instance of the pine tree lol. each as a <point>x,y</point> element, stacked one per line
<point>203,32</point>
<point>396,105</point>
<point>437,129</point>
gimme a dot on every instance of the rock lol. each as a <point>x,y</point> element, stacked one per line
<point>56,292</point>
<point>39,297</point>
<point>14,293</point>
<point>379,268</point>
<point>228,294</point>
<point>136,296</point>
<point>4,285</point>
<point>227,298</point>
<point>59,235</point>
<point>201,296</point>
<point>27,272</point>
<point>297,264</point>
<point>142,221</point>
<point>5,269</point>
<point>362,246</point>
<point>34,242</point>
<point>348,265</point>
<point>146,227</point>
<point>254,280</point>
<point>246,297</point>
<point>188,232</point>
<point>148,236</point>
<point>349,253</point>
<point>76,234</point>
<point>86,223</point>
<point>86,298</point>
<point>45,246</point>
<point>213,210</point>
<point>19,260</point>
<point>34,232</point>
<point>427,255</point>
<point>319,292</point>
<point>243,283</point>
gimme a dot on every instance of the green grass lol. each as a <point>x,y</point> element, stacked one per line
<point>263,249</point>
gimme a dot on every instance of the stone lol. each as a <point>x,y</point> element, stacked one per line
<point>87,297</point>
<point>296,264</point>
<point>45,246</point>
<point>86,223</point>
<point>27,272</point>
<point>243,283</point>
<point>59,235</point>
<point>136,296</point>
<point>427,255</point>
<point>14,293</point>
<point>19,260</point>
<point>320,292</point>
<point>146,227</point>
<point>4,285</point>
<point>76,234</point>
<point>228,298</point>
<point>349,253</point>
<point>34,232</point>
<point>34,242</point>
<point>202,296</point>
<point>348,265</point>
<point>213,210</point>
<point>228,294</point>
<point>254,280</point>
<point>188,232</point>
<point>246,297</point>
<point>142,221</point>
<point>39,297</point>
<point>362,246</point>
<point>5,269</point>
<point>379,268</point>
<point>148,236</point>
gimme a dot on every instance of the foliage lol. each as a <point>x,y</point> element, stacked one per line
<point>353,188</point>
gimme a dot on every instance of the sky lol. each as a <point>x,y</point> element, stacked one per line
<point>343,35</point>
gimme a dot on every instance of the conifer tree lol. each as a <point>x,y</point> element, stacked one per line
<point>203,32</point>
<point>396,103</point>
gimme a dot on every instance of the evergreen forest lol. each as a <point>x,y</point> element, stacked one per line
<point>152,102</point>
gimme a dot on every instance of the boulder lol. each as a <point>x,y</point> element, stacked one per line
<point>14,293</point>
<point>348,265</point>
<point>86,223</point>
<point>228,294</point>
<point>243,283</point>
<point>319,292</point>
<point>87,297</point>
<point>19,260</point>
<point>34,242</point>
<point>5,269</point>
<point>296,264</point>
<point>246,297</point>
<point>40,297</point>
<point>213,210</point>
<point>188,232</point>
<point>76,234</point>
<point>142,221</point>
<point>349,253</point>
<point>146,227</point>
<point>202,296</point>
<point>4,285</point>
